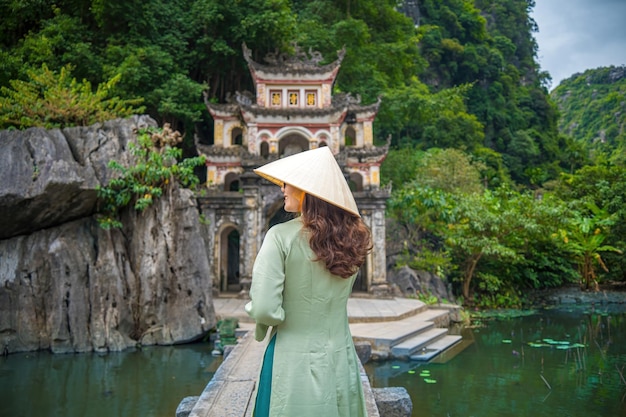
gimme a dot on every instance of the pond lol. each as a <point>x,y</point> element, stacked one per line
<point>149,382</point>
<point>559,362</point>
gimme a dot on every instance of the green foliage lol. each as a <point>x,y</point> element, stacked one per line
<point>156,164</point>
<point>500,236</point>
<point>593,111</point>
<point>180,100</point>
<point>489,46</point>
<point>495,292</point>
<point>450,170</point>
<point>602,186</point>
<point>584,237</point>
<point>428,298</point>
<point>463,78</point>
<point>53,100</point>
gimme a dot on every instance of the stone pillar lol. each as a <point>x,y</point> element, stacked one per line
<point>372,207</point>
<point>251,229</point>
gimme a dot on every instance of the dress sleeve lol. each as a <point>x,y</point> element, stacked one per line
<point>268,281</point>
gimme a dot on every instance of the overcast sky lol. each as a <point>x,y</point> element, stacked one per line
<point>577,35</point>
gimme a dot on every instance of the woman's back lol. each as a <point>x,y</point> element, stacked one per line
<point>315,371</point>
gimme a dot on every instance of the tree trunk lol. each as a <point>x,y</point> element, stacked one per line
<point>469,273</point>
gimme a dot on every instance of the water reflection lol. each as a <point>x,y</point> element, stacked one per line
<point>551,363</point>
<point>147,382</point>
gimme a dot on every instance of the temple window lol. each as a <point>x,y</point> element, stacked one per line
<point>293,98</point>
<point>265,149</point>
<point>356,182</point>
<point>350,136</point>
<point>236,136</point>
<point>231,182</point>
<point>276,98</point>
<point>311,99</point>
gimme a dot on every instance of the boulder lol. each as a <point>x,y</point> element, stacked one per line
<point>411,282</point>
<point>70,286</point>
<point>50,176</point>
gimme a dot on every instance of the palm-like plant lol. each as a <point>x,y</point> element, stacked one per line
<point>585,240</point>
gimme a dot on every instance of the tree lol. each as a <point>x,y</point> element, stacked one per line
<point>52,100</point>
<point>584,238</point>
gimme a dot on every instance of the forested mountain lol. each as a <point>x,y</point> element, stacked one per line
<point>519,204</point>
<point>592,108</point>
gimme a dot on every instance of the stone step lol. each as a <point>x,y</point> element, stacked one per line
<point>417,342</point>
<point>367,310</point>
<point>433,349</point>
<point>450,352</point>
<point>383,335</point>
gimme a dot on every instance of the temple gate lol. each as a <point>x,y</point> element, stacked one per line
<point>293,110</point>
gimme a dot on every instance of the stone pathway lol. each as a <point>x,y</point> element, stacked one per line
<point>400,326</point>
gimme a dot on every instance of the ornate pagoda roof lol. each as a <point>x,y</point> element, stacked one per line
<point>294,66</point>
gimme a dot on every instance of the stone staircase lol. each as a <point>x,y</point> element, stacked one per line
<point>400,328</point>
<point>420,335</point>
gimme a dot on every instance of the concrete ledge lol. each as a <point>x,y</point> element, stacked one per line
<point>231,391</point>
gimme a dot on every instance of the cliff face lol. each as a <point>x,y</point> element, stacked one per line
<point>70,286</point>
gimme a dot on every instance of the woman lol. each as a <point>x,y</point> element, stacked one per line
<point>301,281</point>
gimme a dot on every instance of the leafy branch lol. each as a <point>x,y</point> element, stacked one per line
<point>157,163</point>
<point>56,100</point>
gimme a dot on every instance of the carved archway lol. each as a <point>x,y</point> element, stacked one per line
<point>231,182</point>
<point>292,144</point>
<point>356,182</point>
<point>350,136</point>
<point>236,136</point>
<point>265,149</point>
<point>229,259</point>
<point>360,284</point>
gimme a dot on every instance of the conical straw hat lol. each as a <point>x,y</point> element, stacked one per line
<point>315,172</point>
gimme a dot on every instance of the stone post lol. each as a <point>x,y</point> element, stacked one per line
<point>372,207</point>
<point>251,230</point>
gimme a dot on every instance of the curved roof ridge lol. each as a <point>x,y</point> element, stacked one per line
<point>298,63</point>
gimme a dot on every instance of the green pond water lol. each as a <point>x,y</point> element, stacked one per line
<point>149,382</point>
<point>556,363</point>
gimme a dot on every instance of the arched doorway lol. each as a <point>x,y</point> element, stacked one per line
<point>231,182</point>
<point>292,144</point>
<point>265,149</point>
<point>360,283</point>
<point>350,136</point>
<point>236,137</point>
<point>356,182</point>
<point>229,260</point>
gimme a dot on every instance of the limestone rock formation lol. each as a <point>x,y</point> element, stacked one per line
<point>70,286</point>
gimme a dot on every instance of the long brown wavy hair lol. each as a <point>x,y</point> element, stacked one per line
<point>339,239</point>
